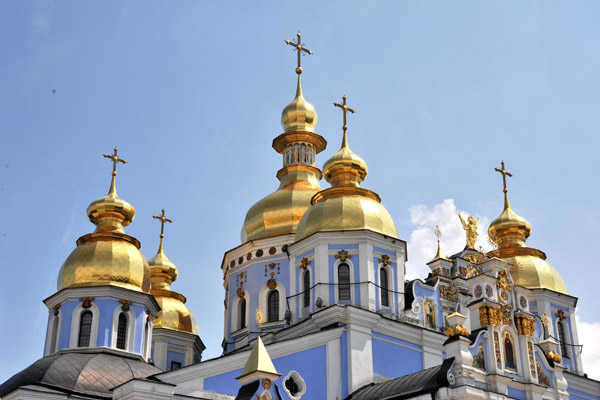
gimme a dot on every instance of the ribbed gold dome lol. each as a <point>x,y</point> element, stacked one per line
<point>280,212</point>
<point>530,268</point>
<point>345,206</point>
<point>174,314</point>
<point>108,256</point>
<point>299,115</point>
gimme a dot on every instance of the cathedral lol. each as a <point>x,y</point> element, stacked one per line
<point>316,301</point>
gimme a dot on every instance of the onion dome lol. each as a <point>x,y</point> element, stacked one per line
<point>174,314</point>
<point>346,206</point>
<point>530,268</point>
<point>108,256</point>
<point>299,115</point>
<point>280,212</point>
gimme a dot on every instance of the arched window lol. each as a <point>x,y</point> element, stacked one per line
<point>85,329</point>
<point>344,282</point>
<point>242,313</point>
<point>122,331</point>
<point>383,287</point>
<point>306,289</point>
<point>562,338</point>
<point>146,338</point>
<point>53,335</point>
<point>273,305</point>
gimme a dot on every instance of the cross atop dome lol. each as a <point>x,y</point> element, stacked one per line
<point>504,173</point>
<point>115,160</point>
<point>299,47</point>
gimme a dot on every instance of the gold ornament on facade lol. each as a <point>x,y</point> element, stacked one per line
<point>553,356</point>
<point>86,302</point>
<point>503,281</point>
<point>384,260</point>
<point>525,326</point>
<point>126,304</point>
<point>545,319</point>
<point>271,283</point>
<point>343,255</point>
<point>470,227</point>
<point>258,317</point>
<point>241,293</point>
<point>457,330</point>
<point>560,314</point>
<point>489,315</point>
<point>305,262</point>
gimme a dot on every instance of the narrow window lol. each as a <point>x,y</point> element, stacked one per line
<point>561,338</point>
<point>242,312</point>
<point>273,306</point>
<point>85,329</point>
<point>306,288</point>
<point>344,282</point>
<point>121,331</point>
<point>383,287</point>
<point>53,335</point>
<point>146,338</point>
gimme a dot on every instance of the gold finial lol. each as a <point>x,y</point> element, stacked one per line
<point>345,109</point>
<point>258,317</point>
<point>504,173</point>
<point>162,219</point>
<point>299,47</point>
<point>115,159</point>
<point>438,233</point>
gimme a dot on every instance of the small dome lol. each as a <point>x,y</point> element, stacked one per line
<point>280,212</point>
<point>174,314</point>
<point>344,167</point>
<point>347,213</point>
<point>345,206</point>
<point>299,115</point>
<point>81,374</point>
<point>530,268</point>
<point>107,256</point>
<point>510,228</point>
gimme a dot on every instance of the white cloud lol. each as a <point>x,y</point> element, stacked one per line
<point>422,244</point>
<point>588,336</point>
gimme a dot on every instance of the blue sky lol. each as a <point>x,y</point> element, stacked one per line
<point>192,92</point>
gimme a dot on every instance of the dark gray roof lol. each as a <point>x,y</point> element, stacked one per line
<point>426,381</point>
<point>92,374</point>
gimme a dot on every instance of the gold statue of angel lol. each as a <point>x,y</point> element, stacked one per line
<point>470,227</point>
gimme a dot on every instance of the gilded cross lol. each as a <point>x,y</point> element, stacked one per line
<point>299,47</point>
<point>342,255</point>
<point>504,173</point>
<point>305,262</point>
<point>115,159</point>
<point>345,109</point>
<point>162,219</point>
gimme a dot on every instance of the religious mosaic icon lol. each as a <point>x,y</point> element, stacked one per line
<point>542,377</point>
<point>429,315</point>
<point>479,357</point>
<point>509,352</point>
<point>504,296</point>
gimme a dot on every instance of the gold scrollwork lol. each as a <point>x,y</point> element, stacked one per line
<point>489,315</point>
<point>457,330</point>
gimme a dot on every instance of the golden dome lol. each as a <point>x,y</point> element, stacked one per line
<point>345,206</point>
<point>280,212</point>
<point>345,167</point>
<point>530,268</point>
<point>299,115</point>
<point>107,256</point>
<point>174,314</point>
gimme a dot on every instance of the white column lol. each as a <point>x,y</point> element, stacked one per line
<point>360,357</point>
<point>321,273</point>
